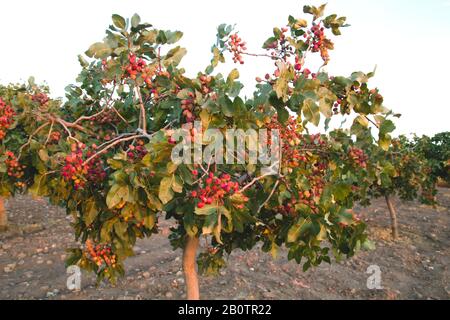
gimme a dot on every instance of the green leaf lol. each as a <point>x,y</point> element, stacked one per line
<point>90,212</point>
<point>118,21</point>
<point>135,20</point>
<point>116,194</point>
<point>82,61</point>
<point>105,233</point>
<point>121,228</point>
<point>177,184</point>
<point>149,221</point>
<point>227,106</point>
<point>341,191</point>
<point>283,114</point>
<point>368,245</point>
<point>385,142</point>
<point>311,112</point>
<point>99,50</point>
<point>387,126</point>
<point>43,155</point>
<point>173,36</point>
<point>165,190</point>
<point>362,120</point>
<point>174,56</point>
<point>206,210</point>
<point>269,42</point>
<point>234,74</point>
<point>294,231</point>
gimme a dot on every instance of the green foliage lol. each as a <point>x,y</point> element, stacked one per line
<point>111,167</point>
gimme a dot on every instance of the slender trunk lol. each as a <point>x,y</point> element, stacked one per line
<point>393,214</point>
<point>3,216</point>
<point>190,273</point>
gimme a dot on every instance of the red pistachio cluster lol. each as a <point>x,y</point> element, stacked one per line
<point>6,118</point>
<point>187,105</point>
<point>308,197</point>
<point>214,189</point>
<point>106,117</point>
<point>138,67</point>
<point>136,152</point>
<point>101,254</point>
<point>79,172</point>
<point>14,168</point>
<point>336,106</point>
<point>205,81</point>
<point>358,157</point>
<point>318,42</point>
<point>236,47</point>
<point>55,136</point>
<point>40,98</point>
<point>282,47</point>
<point>297,148</point>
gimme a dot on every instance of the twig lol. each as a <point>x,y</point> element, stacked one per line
<point>270,196</point>
<point>141,103</point>
<point>63,123</point>
<point>372,122</point>
<point>31,137</point>
<point>255,180</point>
<point>49,133</point>
<point>109,147</point>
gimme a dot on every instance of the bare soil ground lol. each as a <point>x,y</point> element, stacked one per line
<point>32,254</point>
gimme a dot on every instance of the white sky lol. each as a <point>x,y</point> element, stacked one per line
<point>408,40</point>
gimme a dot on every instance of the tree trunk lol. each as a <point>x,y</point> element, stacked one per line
<point>190,273</point>
<point>3,216</point>
<point>393,214</point>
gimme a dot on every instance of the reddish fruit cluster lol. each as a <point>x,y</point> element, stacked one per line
<point>214,189</point>
<point>77,171</point>
<point>40,98</point>
<point>309,197</point>
<point>205,81</point>
<point>291,137</point>
<point>318,41</point>
<point>358,157</point>
<point>138,66</point>
<point>106,117</point>
<point>136,152</point>
<point>336,106</point>
<point>14,168</point>
<point>281,48</point>
<point>96,169</point>
<point>187,105</point>
<point>101,254</point>
<point>55,136</point>
<point>6,118</point>
<point>236,47</point>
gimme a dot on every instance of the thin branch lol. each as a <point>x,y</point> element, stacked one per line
<point>61,122</point>
<point>109,147</point>
<point>141,103</point>
<point>118,113</point>
<point>31,137</point>
<point>255,180</point>
<point>116,141</point>
<point>372,122</point>
<point>49,133</point>
<point>270,196</point>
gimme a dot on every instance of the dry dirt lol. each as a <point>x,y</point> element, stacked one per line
<point>32,254</point>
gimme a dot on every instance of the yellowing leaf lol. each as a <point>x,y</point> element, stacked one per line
<point>165,190</point>
<point>234,74</point>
